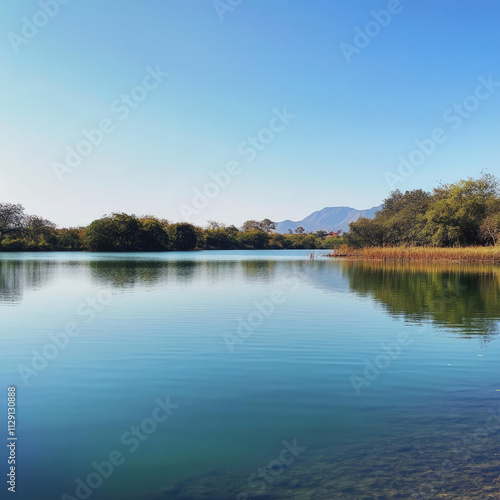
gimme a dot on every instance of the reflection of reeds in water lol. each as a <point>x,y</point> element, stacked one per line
<point>425,254</point>
<point>427,266</point>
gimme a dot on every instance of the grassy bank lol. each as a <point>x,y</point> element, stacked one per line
<point>422,254</point>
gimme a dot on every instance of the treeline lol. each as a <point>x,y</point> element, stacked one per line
<point>462,214</point>
<point>466,213</point>
<point>124,232</point>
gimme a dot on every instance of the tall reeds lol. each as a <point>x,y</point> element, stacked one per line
<point>424,254</point>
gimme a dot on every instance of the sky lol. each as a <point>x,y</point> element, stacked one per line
<point>231,110</point>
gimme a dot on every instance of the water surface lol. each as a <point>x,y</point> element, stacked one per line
<point>381,373</point>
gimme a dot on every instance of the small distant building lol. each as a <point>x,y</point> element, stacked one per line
<point>333,234</point>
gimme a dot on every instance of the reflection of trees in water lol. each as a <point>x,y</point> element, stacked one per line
<point>122,273</point>
<point>18,276</point>
<point>466,298</point>
<point>127,273</point>
<point>462,297</point>
<point>257,270</point>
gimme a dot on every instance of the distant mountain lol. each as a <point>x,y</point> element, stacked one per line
<point>328,219</point>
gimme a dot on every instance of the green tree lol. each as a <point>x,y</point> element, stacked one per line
<point>183,236</point>
<point>268,225</point>
<point>37,230</point>
<point>402,217</point>
<point>119,232</point>
<point>250,224</point>
<point>277,240</point>
<point>364,232</point>
<point>490,228</point>
<point>458,210</point>
<point>99,235</point>
<point>254,238</point>
<point>220,237</point>
<point>153,235</point>
<point>455,214</point>
<point>11,219</point>
<point>70,239</point>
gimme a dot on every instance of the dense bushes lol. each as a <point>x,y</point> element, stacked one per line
<point>123,232</point>
<point>461,214</point>
<point>128,233</point>
<point>183,236</point>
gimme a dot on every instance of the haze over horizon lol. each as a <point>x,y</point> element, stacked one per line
<point>286,108</point>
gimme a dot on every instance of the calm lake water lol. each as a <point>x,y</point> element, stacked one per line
<point>250,374</point>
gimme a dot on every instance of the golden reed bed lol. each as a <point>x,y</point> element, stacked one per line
<point>490,255</point>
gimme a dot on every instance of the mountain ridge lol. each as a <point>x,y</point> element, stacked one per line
<point>328,219</point>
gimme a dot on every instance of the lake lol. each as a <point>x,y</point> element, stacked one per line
<point>250,374</point>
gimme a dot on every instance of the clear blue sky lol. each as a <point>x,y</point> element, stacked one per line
<point>353,120</point>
